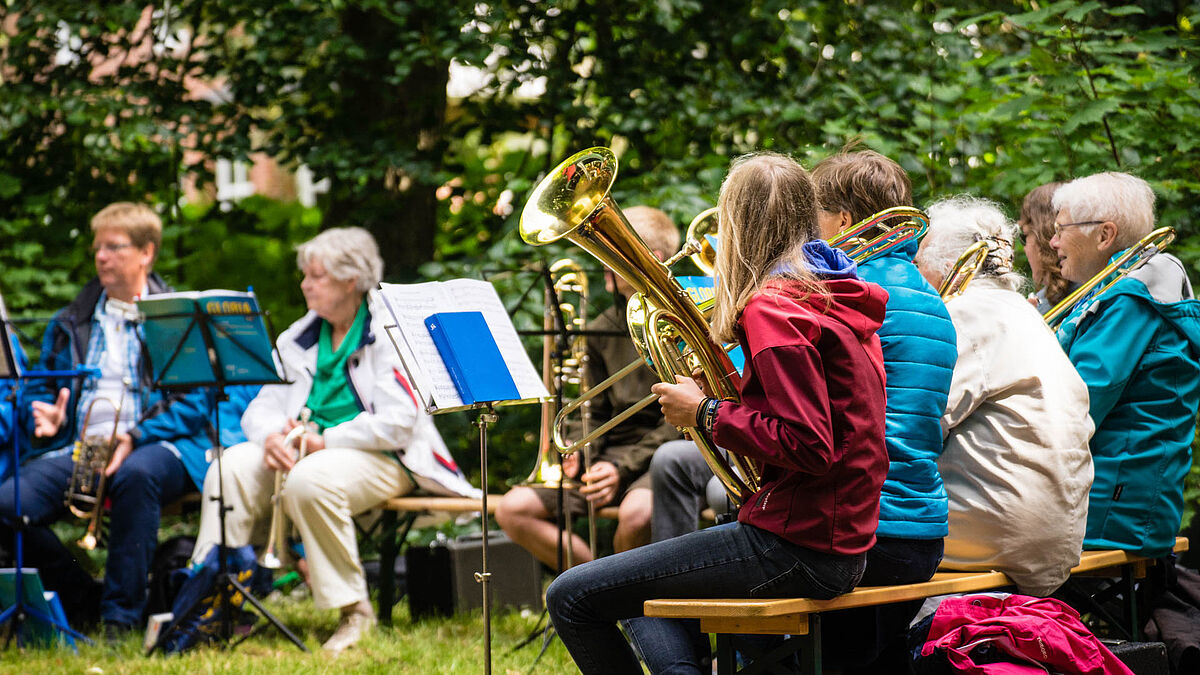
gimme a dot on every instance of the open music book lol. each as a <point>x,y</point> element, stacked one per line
<point>411,304</point>
<point>179,347</point>
<point>8,361</point>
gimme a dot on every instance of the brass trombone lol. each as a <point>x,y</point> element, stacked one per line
<point>964,270</point>
<point>567,277</point>
<point>699,242</point>
<point>277,537</point>
<point>573,202</point>
<point>89,458</point>
<point>856,242</point>
<point>1133,258</point>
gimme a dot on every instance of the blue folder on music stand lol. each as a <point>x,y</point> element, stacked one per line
<point>469,351</point>
<point>37,598</point>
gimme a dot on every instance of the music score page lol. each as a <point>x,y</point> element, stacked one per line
<point>411,304</point>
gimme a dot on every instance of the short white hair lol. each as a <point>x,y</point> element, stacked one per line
<point>346,253</point>
<point>1125,200</point>
<point>958,222</point>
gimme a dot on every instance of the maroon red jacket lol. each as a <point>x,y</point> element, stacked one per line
<point>811,413</point>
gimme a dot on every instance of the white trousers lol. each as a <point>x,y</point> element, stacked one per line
<point>321,495</point>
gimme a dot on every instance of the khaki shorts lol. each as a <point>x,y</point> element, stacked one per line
<point>575,504</point>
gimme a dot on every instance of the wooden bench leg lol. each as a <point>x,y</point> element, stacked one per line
<point>387,560</point>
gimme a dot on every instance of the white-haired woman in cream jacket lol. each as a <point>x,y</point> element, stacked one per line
<point>1015,462</point>
<point>371,440</point>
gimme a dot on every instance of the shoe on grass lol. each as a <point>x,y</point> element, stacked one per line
<point>357,620</point>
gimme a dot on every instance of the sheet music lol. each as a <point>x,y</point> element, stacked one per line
<point>8,360</point>
<point>411,304</point>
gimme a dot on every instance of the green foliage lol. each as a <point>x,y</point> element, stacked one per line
<point>993,99</point>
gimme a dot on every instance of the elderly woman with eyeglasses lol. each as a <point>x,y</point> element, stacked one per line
<point>1137,346</point>
<point>1015,461</point>
<point>370,439</point>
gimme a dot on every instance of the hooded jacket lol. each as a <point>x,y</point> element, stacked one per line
<point>166,418</point>
<point>919,351</point>
<point>811,409</point>
<point>1137,347</point>
<point>390,420</point>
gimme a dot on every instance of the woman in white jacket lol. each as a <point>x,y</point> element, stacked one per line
<point>1015,463</point>
<point>369,440</point>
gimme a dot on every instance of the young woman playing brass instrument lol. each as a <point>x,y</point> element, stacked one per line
<point>807,325</point>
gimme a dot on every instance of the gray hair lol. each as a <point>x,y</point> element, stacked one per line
<point>1125,200</point>
<point>346,253</point>
<point>958,222</point>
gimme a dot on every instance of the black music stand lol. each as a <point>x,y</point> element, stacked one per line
<point>411,328</point>
<point>234,353</point>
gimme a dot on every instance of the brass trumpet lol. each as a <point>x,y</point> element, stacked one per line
<point>89,458</point>
<point>1133,258</point>
<point>964,270</point>
<point>277,537</point>
<point>573,202</point>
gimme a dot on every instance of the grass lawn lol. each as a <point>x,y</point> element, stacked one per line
<point>429,646</point>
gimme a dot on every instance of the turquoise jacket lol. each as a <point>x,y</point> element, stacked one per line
<point>919,351</point>
<point>1137,346</point>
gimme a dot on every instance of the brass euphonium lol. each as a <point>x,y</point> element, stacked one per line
<point>277,537</point>
<point>964,270</point>
<point>1133,258</point>
<point>89,459</point>
<point>871,237</point>
<point>573,202</point>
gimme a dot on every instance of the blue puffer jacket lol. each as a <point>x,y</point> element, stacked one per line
<point>919,351</point>
<point>1138,349</point>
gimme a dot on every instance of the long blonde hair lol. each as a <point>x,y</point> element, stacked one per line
<point>768,212</point>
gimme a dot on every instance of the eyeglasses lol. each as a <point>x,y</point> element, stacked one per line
<point>1058,227</point>
<point>109,248</point>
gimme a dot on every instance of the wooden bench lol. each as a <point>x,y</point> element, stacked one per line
<point>399,515</point>
<point>801,617</point>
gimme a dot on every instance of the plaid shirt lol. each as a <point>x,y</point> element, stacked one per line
<point>132,407</point>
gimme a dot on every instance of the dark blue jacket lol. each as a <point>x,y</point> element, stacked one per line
<point>166,418</point>
<point>8,436</point>
<point>919,351</point>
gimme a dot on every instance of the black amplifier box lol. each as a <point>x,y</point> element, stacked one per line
<point>441,576</point>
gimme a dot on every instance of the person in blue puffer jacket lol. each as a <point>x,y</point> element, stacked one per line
<point>919,352</point>
<point>1137,347</point>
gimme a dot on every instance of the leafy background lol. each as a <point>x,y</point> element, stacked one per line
<point>992,100</point>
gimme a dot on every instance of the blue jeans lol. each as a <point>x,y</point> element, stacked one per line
<point>733,560</point>
<point>151,477</point>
